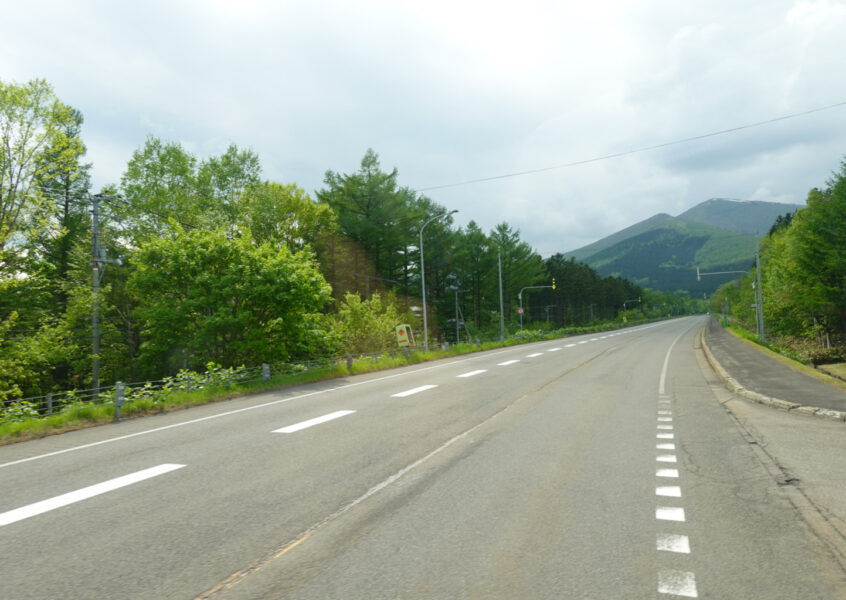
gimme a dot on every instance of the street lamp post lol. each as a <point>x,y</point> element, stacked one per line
<point>423,278</point>
<point>530,287</point>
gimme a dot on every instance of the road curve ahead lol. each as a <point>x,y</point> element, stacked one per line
<point>598,466</point>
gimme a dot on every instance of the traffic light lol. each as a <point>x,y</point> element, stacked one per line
<point>553,283</point>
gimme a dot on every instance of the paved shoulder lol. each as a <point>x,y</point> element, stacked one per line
<point>760,373</point>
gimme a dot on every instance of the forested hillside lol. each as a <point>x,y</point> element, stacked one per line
<point>664,252</point>
<point>189,260</point>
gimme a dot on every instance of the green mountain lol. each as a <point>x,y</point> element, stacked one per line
<point>663,252</point>
<point>738,215</point>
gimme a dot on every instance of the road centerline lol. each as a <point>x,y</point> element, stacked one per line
<point>473,373</point>
<point>312,422</point>
<point>413,391</point>
<point>37,508</point>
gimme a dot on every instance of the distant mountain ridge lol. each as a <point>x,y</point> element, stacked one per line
<point>662,252</point>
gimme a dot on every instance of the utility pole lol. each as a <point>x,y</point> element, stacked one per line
<point>95,292</point>
<point>457,330</point>
<point>98,267</point>
<point>501,305</point>
<point>759,299</point>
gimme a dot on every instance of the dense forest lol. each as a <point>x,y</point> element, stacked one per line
<point>189,260</point>
<point>803,278</point>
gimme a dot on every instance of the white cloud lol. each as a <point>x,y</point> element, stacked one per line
<point>450,91</point>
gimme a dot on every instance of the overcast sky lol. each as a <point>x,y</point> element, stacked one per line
<point>449,91</point>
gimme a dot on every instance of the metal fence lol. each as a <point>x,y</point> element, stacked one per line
<point>158,390</point>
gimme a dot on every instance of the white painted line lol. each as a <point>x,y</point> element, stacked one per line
<point>569,345</point>
<point>666,362</point>
<point>583,342</point>
<point>315,421</point>
<point>666,427</point>
<point>665,446</point>
<point>670,513</point>
<point>508,362</point>
<point>665,436</point>
<point>663,402</point>
<point>553,349</point>
<point>673,543</point>
<point>25,512</point>
<point>594,339</point>
<point>534,355</point>
<point>472,373</point>
<point>670,491</point>
<point>416,390</point>
<point>677,583</point>
<point>674,473</point>
<point>665,412</point>
<point>665,419</point>
<point>666,458</point>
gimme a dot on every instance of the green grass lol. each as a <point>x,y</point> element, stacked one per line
<point>93,414</point>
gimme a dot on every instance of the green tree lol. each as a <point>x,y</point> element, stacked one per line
<point>159,186</point>
<point>205,297</point>
<point>285,215</point>
<point>381,219</point>
<point>33,122</point>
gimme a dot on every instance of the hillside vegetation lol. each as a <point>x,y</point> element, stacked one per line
<point>663,252</point>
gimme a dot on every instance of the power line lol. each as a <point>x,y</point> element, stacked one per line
<point>635,151</point>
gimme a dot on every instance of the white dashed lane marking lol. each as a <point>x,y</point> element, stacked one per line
<point>673,473</point>
<point>312,422</point>
<point>670,513</point>
<point>416,390</point>
<point>25,512</point>
<point>508,362</point>
<point>678,583</point>
<point>472,373</point>
<point>670,542</point>
<point>668,491</point>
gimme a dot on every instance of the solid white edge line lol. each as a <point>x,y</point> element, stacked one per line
<point>31,510</point>
<point>312,422</point>
<point>412,391</point>
<point>663,379</point>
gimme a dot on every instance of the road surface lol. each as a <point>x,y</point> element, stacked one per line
<point>599,466</point>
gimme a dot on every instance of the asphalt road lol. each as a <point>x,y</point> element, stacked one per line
<point>600,466</point>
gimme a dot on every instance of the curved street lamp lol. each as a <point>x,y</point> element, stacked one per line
<point>423,277</point>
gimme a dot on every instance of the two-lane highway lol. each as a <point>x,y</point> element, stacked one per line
<point>598,466</point>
